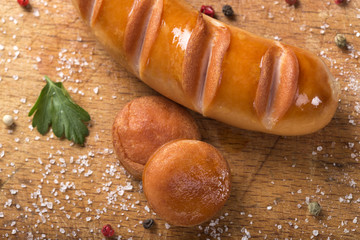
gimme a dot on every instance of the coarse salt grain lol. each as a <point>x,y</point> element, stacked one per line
<point>13,191</point>
<point>96,90</point>
<point>316,101</point>
<point>147,208</point>
<point>36,13</point>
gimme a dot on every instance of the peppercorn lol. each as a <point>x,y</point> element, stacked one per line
<point>338,2</point>
<point>148,223</point>
<point>107,230</point>
<point>228,11</point>
<point>291,2</point>
<point>208,10</point>
<point>314,208</point>
<point>23,3</point>
<point>340,41</point>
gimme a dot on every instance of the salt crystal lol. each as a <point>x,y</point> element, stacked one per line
<point>316,101</point>
<point>315,232</point>
<point>147,208</point>
<point>349,197</point>
<point>302,99</point>
<point>13,191</point>
<point>49,205</point>
<point>96,90</point>
<point>36,13</point>
<point>167,226</point>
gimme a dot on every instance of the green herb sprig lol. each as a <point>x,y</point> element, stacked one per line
<point>54,107</point>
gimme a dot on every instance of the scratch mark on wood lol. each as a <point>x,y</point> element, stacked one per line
<point>260,167</point>
<point>2,184</point>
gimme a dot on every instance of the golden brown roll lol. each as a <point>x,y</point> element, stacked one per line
<point>145,124</point>
<point>186,182</point>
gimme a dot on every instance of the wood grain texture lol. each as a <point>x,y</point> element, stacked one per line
<point>54,190</point>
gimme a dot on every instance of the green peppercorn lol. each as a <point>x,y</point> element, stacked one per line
<point>314,208</point>
<point>228,11</point>
<point>340,41</point>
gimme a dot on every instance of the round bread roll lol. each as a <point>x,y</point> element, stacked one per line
<point>145,124</point>
<point>186,182</point>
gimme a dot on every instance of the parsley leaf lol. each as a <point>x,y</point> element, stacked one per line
<point>55,107</point>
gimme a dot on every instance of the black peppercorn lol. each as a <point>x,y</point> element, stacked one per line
<point>148,223</point>
<point>228,11</point>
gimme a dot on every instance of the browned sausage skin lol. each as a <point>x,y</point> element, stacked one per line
<point>218,70</point>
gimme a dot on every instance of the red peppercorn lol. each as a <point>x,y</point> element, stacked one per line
<point>23,3</point>
<point>208,10</point>
<point>291,2</point>
<point>107,230</point>
<point>338,2</point>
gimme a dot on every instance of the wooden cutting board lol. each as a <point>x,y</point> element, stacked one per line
<point>53,189</point>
